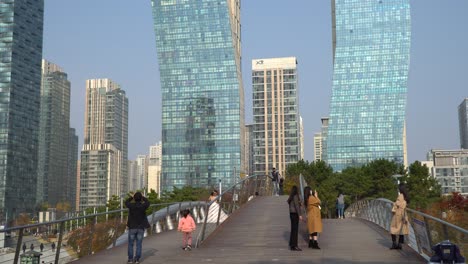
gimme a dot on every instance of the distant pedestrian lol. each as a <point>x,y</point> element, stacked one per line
<point>399,225</point>
<point>281,185</point>
<point>41,246</point>
<point>275,177</point>
<point>24,247</point>
<point>213,195</point>
<point>186,226</point>
<point>340,204</point>
<point>137,223</point>
<point>295,215</point>
<point>53,246</point>
<point>31,247</point>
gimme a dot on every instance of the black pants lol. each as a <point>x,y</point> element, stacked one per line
<point>294,229</point>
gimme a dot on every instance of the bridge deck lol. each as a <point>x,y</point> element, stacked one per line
<point>259,234</point>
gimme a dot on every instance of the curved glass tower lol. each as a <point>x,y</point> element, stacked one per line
<point>198,45</point>
<point>371,46</point>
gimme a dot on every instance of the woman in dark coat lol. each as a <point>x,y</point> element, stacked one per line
<point>314,218</point>
<point>295,215</point>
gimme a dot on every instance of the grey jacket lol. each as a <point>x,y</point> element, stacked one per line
<point>295,205</point>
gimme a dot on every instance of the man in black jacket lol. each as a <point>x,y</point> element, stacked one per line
<point>137,222</point>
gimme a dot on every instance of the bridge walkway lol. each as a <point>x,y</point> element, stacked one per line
<point>259,234</point>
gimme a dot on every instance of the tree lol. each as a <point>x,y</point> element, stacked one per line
<point>423,189</point>
<point>381,173</point>
<point>113,203</point>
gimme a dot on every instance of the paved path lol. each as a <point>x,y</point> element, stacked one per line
<point>259,234</point>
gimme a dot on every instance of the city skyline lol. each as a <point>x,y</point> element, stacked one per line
<point>437,62</point>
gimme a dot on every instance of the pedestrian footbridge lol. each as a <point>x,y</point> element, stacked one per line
<point>246,224</point>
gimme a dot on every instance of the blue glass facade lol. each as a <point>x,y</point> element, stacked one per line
<point>198,46</point>
<point>371,46</point>
<point>21,27</point>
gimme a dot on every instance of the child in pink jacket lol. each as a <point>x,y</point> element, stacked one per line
<point>186,226</point>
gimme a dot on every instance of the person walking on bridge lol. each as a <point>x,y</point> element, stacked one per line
<point>314,219</point>
<point>400,224</point>
<point>295,215</point>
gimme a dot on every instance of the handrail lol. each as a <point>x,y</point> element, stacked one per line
<point>424,232</point>
<point>217,210</point>
<point>82,229</point>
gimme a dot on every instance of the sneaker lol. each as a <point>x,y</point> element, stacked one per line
<point>184,248</point>
<point>130,261</point>
<point>137,261</point>
<point>188,247</point>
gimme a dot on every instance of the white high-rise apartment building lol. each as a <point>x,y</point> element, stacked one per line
<point>277,132</point>
<point>142,172</point>
<point>154,168</point>
<point>450,168</point>
<point>103,171</point>
<point>318,146</point>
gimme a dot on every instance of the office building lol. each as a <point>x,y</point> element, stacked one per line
<point>103,170</point>
<point>371,49</point>
<point>21,28</point>
<point>199,54</point>
<point>276,114</point>
<point>463,123</point>
<point>54,140</point>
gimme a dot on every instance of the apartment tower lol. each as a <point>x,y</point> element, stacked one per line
<point>276,116</point>
<point>103,169</point>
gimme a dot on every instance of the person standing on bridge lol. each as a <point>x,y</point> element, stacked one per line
<point>314,218</point>
<point>295,215</point>
<point>137,223</point>
<point>400,224</point>
<point>340,204</point>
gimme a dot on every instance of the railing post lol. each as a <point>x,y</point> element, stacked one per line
<point>219,214</point>
<point>18,246</point>
<point>446,236</point>
<point>204,223</point>
<point>428,232</point>
<point>59,242</point>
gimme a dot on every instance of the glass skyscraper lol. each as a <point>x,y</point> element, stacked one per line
<point>199,55</point>
<point>21,27</point>
<point>53,135</point>
<point>371,46</point>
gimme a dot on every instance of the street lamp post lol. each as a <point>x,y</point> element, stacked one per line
<point>397,178</point>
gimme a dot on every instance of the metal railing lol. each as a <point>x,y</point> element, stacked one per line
<point>69,239</point>
<point>218,210</point>
<point>425,230</point>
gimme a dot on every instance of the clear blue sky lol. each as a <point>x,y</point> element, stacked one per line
<point>115,39</point>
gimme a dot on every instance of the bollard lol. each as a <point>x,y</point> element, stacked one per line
<point>158,227</point>
<point>169,223</point>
